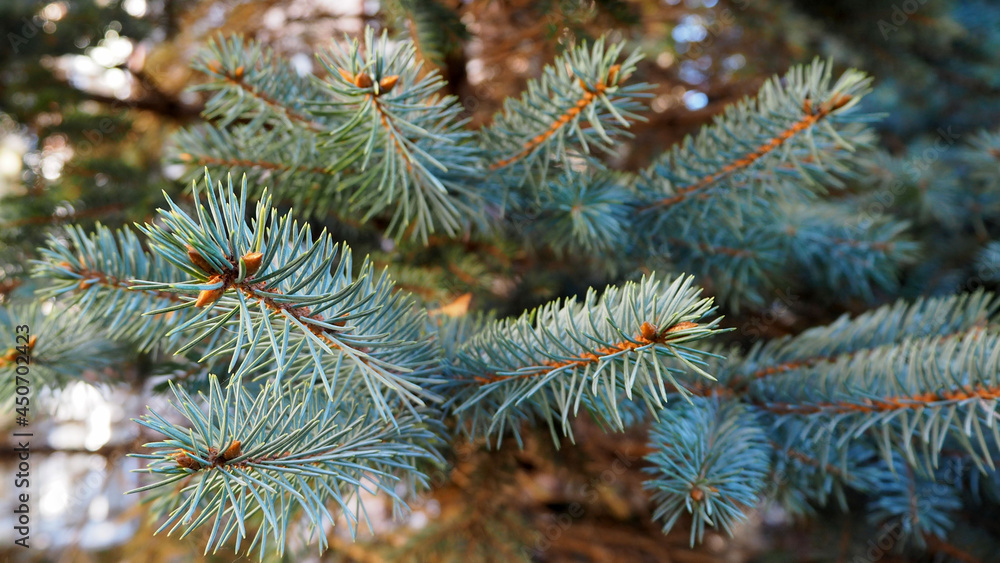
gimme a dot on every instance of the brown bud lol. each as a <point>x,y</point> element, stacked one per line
<point>232,452</point>
<point>209,296</point>
<point>184,460</point>
<point>388,83</point>
<point>252,261</point>
<point>362,80</point>
<point>239,72</point>
<point>697,494</point>
<point>31,342</point>
<point>613,74</point>
<point>681,326</point>
<point>185,157</point>
<point>807,106</point>
<point>346,75</point>
<point>648,331</point>
<point>839,102</point>
<point>198,260</point>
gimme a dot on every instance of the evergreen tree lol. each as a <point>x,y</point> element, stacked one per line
<point>311,377</point>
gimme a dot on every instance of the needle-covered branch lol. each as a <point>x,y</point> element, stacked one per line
<point>50,348</point>
<point>709,460</point>
<point>250,465</point>
<point>915,378</point>
<point>281,295</point>
<point>95,273</point>
<point>580,105</point>
<point>633,342</point>
<point>371,138</point>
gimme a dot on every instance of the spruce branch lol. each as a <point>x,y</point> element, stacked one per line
<point>251,82</point>
<point>884,327</point>
<point>274,157</point>
<point>580,103</point>
<point>95,272</point>
<point>710,460</point>
<point>920,507</point>
<point>745,261</point>
<point>988,262</point>
<point>281,296</point>
<point>801,129</point>
<point>909,397</point>
<point>59,348</point>
<point>404,144</point>
<point>632,340</point>
<point>579,213</point>
<point>809,473</point>
<point>343,143</point>
<point>908,387</point>
<point>835,251</point>
<point>748,252</point>
<point>437,30</point>
<point>251,465</point>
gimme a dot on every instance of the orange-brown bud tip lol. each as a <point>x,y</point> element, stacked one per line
<point>681,326</point>
<point>239,72</point>
<point>31,341</point>
<point>362,80</point>
<point>346,75</point>
<point>198,260</point>
<point>252,261</point>
<point>184,460</point>
<point>209,296</point>
<point>613,74</point>
<point>647,330</point>
<point>388,83</point>
<point>697,494</point>
<point>232,452</point>
<point>840,101</point>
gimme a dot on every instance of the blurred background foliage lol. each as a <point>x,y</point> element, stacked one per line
<point>91,90</point>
